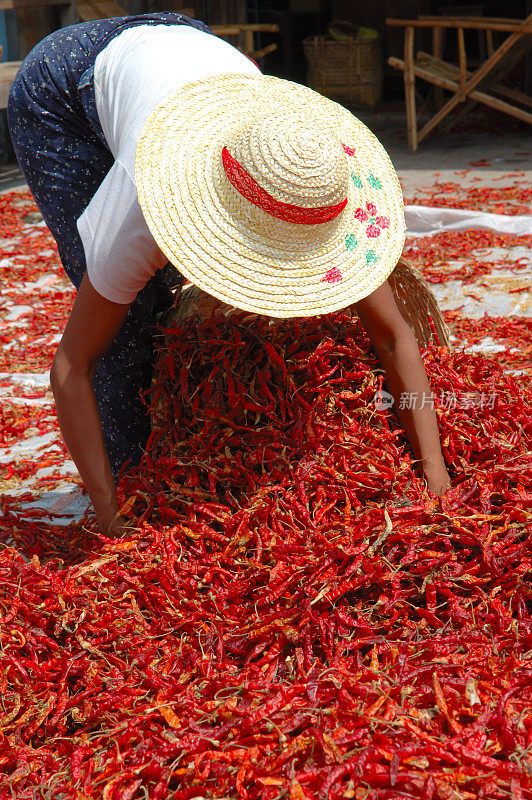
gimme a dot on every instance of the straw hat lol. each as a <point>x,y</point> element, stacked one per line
<point>269,196</point>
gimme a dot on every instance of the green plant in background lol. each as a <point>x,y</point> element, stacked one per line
<point>343,32</point>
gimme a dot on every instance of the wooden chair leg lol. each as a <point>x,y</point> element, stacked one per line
<point>437,52</point>
<point>410,90</point>
<point>489,42</point>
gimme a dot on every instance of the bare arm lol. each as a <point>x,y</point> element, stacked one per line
<point>92,326</point>
<point>396,347</point>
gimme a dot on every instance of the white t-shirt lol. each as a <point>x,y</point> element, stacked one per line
<point>137,70</point>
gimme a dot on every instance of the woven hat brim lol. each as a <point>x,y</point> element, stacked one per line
<point>238,253</point>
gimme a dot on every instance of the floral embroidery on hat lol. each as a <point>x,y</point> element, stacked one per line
<point>332,276</point>
<point>357,180</point>
<point>371,257</point>
<point>349,150</point>
<point>376,224</point>
<point>374,182</point>
<point>350,241</point>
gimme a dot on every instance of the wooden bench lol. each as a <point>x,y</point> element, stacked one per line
<point>99,9</point>
<point>481,86</point>
<point>31,21</point>
<point>242,34</point>
<point>245,34</point>
<point>8,70</point>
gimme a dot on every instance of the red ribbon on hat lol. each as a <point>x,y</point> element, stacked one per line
<point>250,189</point>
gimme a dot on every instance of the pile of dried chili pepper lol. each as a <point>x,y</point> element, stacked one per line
<point>290,614</point>
<point>33,281</point>
<point>512,335</point>
<point>35,300</point>
<point>513,198</point>
<point>468,255</point>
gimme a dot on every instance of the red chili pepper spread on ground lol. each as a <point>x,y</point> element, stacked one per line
<point>290,616</point>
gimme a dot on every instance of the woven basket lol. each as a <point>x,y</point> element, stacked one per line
<point>349,72</point>
<point>415,300</point>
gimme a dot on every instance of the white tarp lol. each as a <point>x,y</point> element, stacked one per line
<point>425,220</point>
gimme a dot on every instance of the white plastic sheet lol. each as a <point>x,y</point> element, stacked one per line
<point>426,220</point>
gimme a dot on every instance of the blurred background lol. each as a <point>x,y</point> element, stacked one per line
<point>338,47</point>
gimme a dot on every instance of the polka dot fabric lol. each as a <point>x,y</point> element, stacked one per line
<point>63,154</point>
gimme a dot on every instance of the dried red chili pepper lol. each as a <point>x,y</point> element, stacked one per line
<point>290,641</point>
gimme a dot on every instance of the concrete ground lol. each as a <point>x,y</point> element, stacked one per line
<point>469,156</point>
<point>11,178</point>
<point>441,157</point>
<point>456,158</point>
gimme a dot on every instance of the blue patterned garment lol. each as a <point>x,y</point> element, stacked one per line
<point>63,154</point>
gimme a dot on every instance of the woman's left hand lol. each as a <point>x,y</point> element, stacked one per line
<point>117,527</point>
<point>406,379</point>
